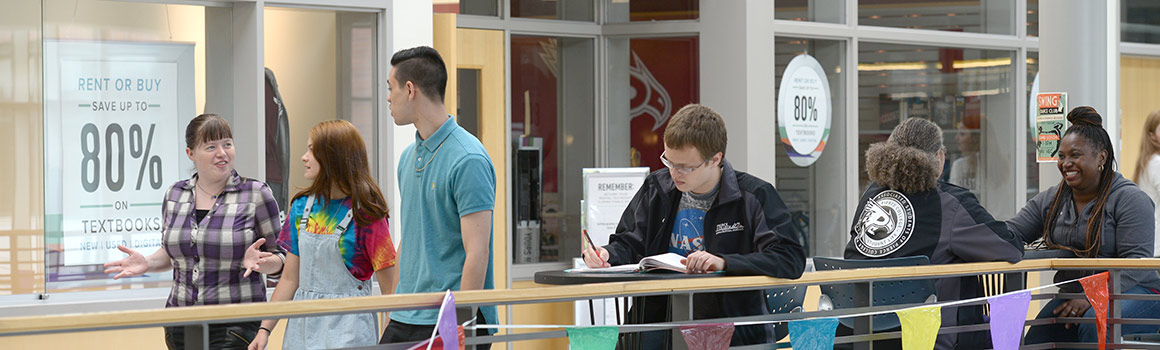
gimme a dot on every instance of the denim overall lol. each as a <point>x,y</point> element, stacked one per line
<point>322,274</point>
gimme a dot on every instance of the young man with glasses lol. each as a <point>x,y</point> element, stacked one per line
<point>720,219</point>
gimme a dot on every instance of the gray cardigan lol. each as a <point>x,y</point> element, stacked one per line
<point>1128,230</point>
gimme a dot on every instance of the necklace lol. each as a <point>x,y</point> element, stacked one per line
<point>203,190</point>
<point>432,157</point>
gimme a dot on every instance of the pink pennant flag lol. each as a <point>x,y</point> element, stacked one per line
<point>1096,289</point>
<point>713,336</point>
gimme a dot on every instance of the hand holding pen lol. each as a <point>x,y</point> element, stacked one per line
<point>593,256</point>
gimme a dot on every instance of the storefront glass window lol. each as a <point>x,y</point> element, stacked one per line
<point>810,10</point>
<point>571,10</point>
<point>553,135</point>
<point>467,7</point>
<point>1140,21</point>
<point>1032,17</point>
<point>1032,88</point>
<point>812,196</point>
<point>620,11</point>
<point>967,92</point>
<point>21,131</point>
<point>972,16</point>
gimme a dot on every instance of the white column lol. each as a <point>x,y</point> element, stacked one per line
<point>408,23</point>
<point>1079,53</point>
<point>737,79</point>
<point>235,79</point>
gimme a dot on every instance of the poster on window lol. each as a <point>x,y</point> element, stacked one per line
<point>607,192</point>
<point>115,114</point>
<point>804,110</point>
<point>1050,123</point>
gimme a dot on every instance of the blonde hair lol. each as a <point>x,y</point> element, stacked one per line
<point>1147,146</point>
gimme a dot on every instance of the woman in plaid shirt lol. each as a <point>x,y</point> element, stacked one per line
<point>218,229</point>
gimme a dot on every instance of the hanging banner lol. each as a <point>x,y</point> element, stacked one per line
<point>804,110</point>
<point>114,119</point>
<point>1050,123</point>
<point>920,327</point>
<point>592,338</point>
<point>816,334</point>
<point>1007,315</point>
<point>714,336</point>
<point>446,322</point>
<point>1095,287</point>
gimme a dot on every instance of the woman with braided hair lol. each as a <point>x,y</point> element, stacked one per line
<point>1094,213</point>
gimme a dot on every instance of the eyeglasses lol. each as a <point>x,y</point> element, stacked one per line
<point>681,169</point>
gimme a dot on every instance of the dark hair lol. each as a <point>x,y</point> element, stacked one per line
<point>908,160</point>
<point>1086,123</point>
<point>342,160</point>
<point>206,127</point>
<point>423,67</point>
<point>698,126</point>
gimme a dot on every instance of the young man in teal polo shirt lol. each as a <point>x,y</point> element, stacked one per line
<point>447,185</point>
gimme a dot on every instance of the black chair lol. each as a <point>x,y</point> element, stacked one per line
<point>784,301</point>
<point>852,295</point>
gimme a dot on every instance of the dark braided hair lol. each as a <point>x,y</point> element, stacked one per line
<point>1087,123</point>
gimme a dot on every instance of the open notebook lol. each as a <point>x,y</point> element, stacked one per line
<point>666,261</point>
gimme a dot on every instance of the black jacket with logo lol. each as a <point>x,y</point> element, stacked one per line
<point>946,224</point>
<point>748,226</point>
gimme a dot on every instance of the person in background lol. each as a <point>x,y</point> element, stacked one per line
<point>719,218</point>
<point>447,185</point>
<point>1094,213</point>
<point>1148,167</point>
<point>218,229</point>
<point>906,211</point>
<point>337,237</point>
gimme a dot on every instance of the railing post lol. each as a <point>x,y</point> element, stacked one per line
<point>1114,305</point>
<point>197,336</point>
<point>682,310</point>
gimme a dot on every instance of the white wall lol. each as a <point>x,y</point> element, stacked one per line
<point>409,24</point>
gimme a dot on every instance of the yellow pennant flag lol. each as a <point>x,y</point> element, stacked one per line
<point>920,327</point>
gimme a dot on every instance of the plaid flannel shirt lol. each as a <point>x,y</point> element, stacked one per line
<point>207,255</point>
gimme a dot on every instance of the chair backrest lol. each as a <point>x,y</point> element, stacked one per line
<point>850,295</point>
<point>784,301</point>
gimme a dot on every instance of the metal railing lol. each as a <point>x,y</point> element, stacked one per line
<point>196,319</point>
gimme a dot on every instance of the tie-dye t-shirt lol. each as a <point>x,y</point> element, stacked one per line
<point>364,250</point>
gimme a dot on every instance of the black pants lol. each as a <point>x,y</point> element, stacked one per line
<point>399,332</point>
<point>228,336</point>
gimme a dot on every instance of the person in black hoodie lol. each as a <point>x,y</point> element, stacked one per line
<point>721,219</point>
<point>908,211</point>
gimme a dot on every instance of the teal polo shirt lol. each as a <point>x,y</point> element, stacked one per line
<point>441,179</point>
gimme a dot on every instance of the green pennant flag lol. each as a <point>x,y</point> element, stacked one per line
<point>592,338</point>
<point>920,327</point>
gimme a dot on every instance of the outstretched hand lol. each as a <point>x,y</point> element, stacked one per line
<point>255,257</point>
<point>133,265</point>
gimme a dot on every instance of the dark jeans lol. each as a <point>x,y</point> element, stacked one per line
<point>1087,332</point>
<point>399,332</point>
<point>228,336</point>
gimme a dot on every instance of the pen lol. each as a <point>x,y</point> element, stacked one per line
<point>588,240</point>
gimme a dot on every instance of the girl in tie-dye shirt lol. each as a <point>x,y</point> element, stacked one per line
<point>336,237</point>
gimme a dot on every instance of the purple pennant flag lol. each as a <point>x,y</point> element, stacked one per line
<point>1008,312</point>
<point>815,334</point>
<point>446,323</point>
<point>713,336</point>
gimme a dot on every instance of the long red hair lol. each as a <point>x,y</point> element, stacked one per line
<point>342,159</point>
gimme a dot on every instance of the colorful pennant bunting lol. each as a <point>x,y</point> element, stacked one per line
<point>446,324</point>
<point>592,338</point>
<point>920,327</point>
<point>815,334</point>
<point>713,336</point>
<point>1096,289</point>
<point>1008,313</point>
